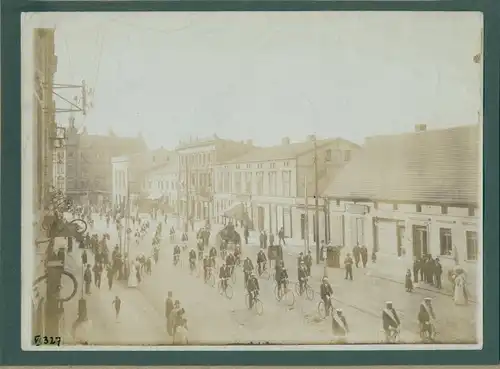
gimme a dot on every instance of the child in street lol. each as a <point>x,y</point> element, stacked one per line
<point>408,281</point>
<point>117,305</point>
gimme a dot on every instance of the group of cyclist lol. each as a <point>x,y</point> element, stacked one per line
<point>390,320</point>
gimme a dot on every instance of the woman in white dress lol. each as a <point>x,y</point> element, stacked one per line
<point>181,333</point>
<point>460,291</point>
<point>132,276</point>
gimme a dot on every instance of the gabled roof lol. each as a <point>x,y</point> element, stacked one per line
<point>282,152</point>
<point>438,166</point>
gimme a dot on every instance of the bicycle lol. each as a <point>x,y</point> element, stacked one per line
<point>305,288</point>
<point>228,290</point>
<point>393,335</point>
<point>263,272</point>
<point>210,280</point>
<point>257,305</point>
<point>177,260</point>
<point>64,272</point>
<point>428,335</point>
<point>286,294</point>
<point>192,267</point>
<point>322,309</point>
<point>233,274</point>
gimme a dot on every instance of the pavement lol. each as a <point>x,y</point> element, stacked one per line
<point>217,320</point>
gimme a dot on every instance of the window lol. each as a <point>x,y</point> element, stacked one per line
<point>248,182</point>
<point>259,166</point>
<point>249,166</point>
<point>419,208</point>
<point>260,183</point>
<point>445,245</point>
<point>347,155</point>
<point>227,182</point>
<point>273,183</point>
<point>375,205</point>
<point>337,202</point>
<point>472,249</point>
<point>328,155</point>
<point>472,211</point>
<point>219,182</point>
<point>286,176</point>
<point>394,206</point>
<point>272,165</point>
<point>70,154</point>
<point>286,163</point>
<point>237,182</point>
<point>209,157</point>
<point>237,166</point>
<point>444,209</point>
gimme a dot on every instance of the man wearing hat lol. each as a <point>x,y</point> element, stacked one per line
<point>390,321</point>
<point>339,326</point>
<point>169,306</point>
<point>348,266</point>
<point>326,293</point>
<point>172,318</point>
<point>426,317</point>
<point>302,276</point>
<point>252,289</point>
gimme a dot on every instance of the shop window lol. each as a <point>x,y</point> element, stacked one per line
<point>472,247</point>
<point>445,241</point>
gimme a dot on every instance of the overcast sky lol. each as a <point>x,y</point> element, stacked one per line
<point>269,75</point>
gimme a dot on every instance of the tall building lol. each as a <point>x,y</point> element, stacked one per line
<point>271,184</point>
<point>131,175</point>
<point>197,159</point>
<point>89,162</point>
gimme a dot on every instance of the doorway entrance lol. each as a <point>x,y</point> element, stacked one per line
<point>420,241</point>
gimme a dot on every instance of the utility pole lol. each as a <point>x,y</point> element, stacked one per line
<point>306,218</point>
<point>188,204</point>
<point>316,200</point>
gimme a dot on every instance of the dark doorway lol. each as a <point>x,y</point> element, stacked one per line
<point>260,217</point>
<point>420,238</point>
<point>303,226</point>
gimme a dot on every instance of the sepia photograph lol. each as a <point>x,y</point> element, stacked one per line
<point>252,180</point>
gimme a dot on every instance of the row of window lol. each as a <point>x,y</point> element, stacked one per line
<point>446,243</point>
<point>418,208</point>
<point>243,182</point>
<point>199,159</point>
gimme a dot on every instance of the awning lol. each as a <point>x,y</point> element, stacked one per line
<point>236,211</point>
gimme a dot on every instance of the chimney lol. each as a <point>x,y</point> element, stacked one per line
<point>420,127</point>
<point>285,141</point>
<point>311,138</point>
<point>249,142</point>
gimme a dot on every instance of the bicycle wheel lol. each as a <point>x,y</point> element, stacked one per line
<point>309,293</point>
<point>289,297</point>
<point>229,292</point>
<point>278,294</point>
<point>322,309</point>
<point>211,280</point>
<point>297,288</point>
<point>219,287</point>
<point>258,306</point>
<point>247,302</point>
<point>81,225</point>
<point>265,274</point>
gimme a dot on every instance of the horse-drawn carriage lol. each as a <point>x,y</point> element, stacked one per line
<point>228,237</point>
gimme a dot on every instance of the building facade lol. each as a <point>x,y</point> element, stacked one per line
<point>409,195</point>
<point>197,160</point>
<point>89,163</point>
<point>275,184</point>
<point>131,175</point>
<point>162,185</point>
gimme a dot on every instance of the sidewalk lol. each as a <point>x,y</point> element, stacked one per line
<point>394,270</point>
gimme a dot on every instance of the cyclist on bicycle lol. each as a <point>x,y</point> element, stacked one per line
<point>212,255</point>
<point>277,270</point>
<point>200,249</point>
<point>390,321</point>
<point>339,326</point>
<point>326,293</point>
<point>247,268</point>
<point>177,253</point>
<point>192,259</point>
<point>230,260</point>
<point>308,262</point>
<point>283,280</point>
<point>252,289</point>
<point>261,261</point>
<point>426,317</point>
<point>302,275</point>
<point>224,274</point>
<point>237,255</point>
<point>206,267</point>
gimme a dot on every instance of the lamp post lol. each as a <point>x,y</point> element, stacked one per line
<point>316,201</point>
